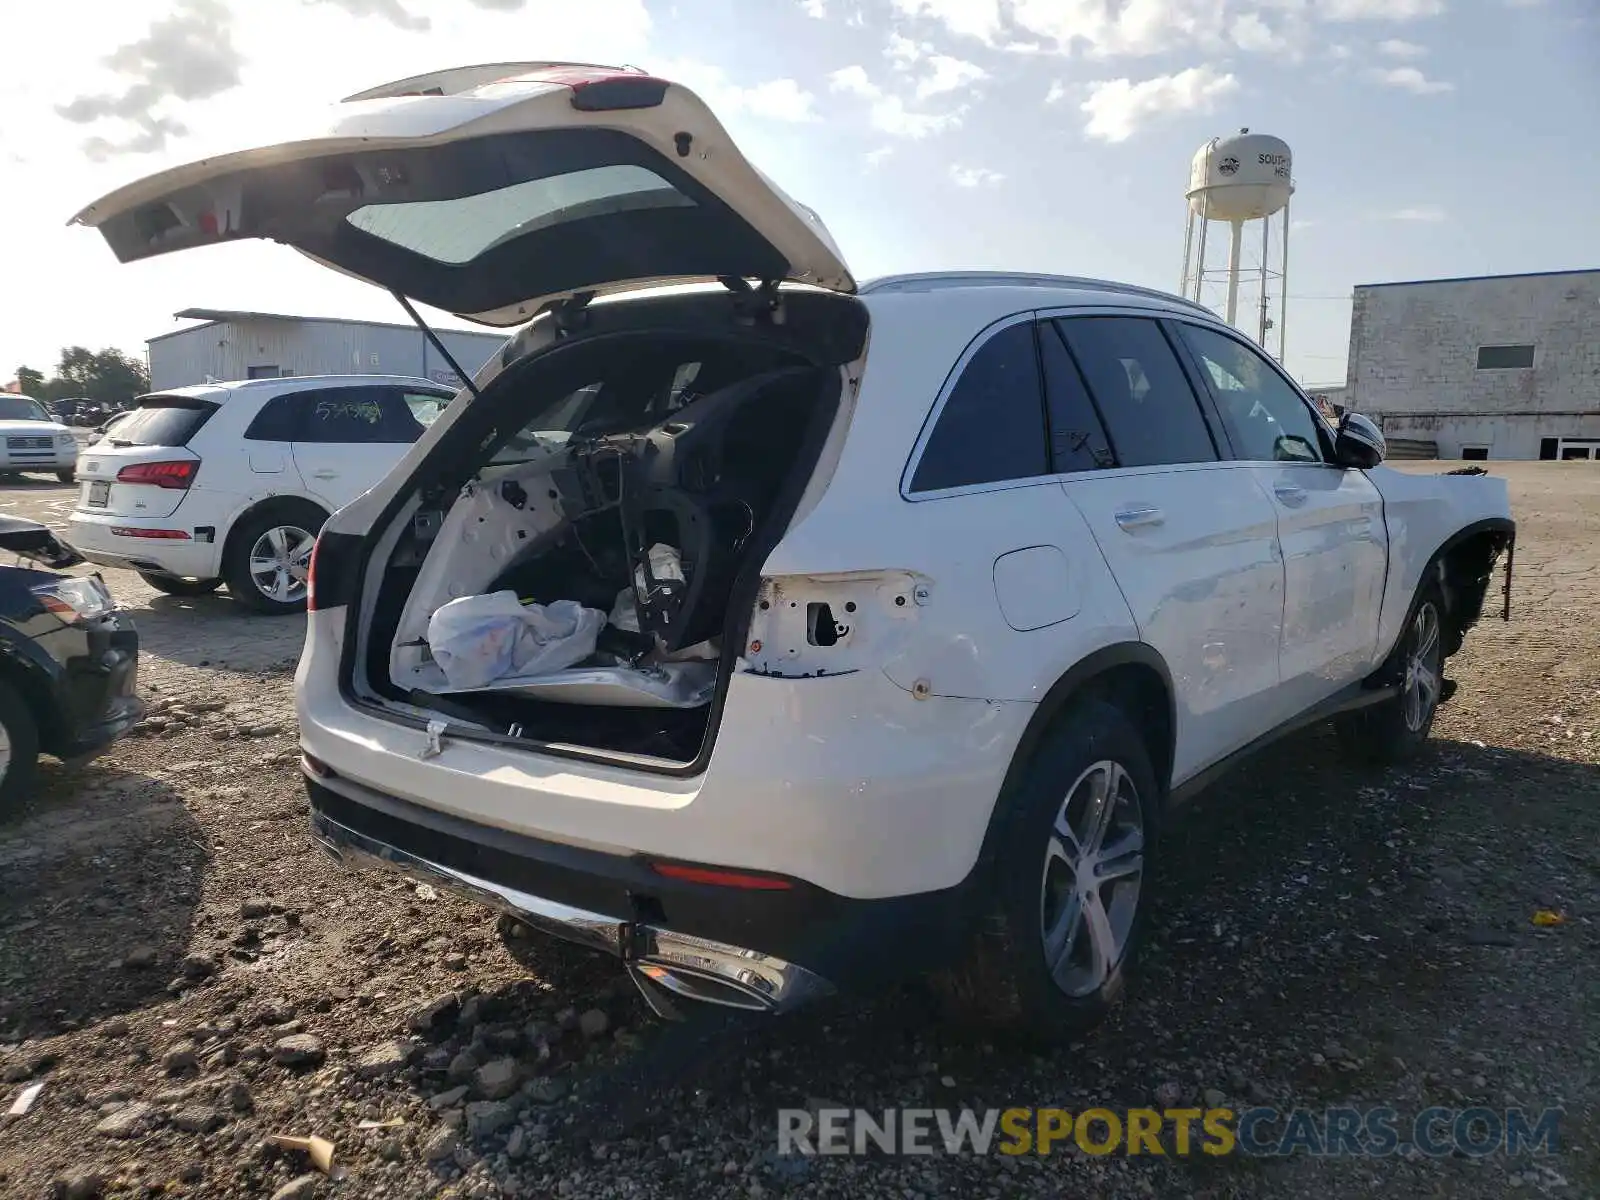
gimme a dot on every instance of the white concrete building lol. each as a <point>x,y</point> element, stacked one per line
<point>1502,366</point>
<point>232,345</point>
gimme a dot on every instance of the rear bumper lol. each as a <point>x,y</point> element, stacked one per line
<point>187,558</point>
<point>767,950</point>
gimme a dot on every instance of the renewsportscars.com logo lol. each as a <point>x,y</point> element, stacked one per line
<point>1180,1132</point>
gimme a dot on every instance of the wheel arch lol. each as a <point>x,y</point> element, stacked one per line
<point>36,685</point>
<point>1463,566</point>
<point>1131,675</point>
<point>281,500</point>
<point>1460,567</point>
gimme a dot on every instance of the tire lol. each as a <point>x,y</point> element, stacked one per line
<point>298,521</point>
<point>67,476</point>
<point>19,748</point>
<point>1046,968</point>
<point>1396,730</point>
<point>173,586</point>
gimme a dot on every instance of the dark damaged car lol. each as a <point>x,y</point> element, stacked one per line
<point>69,660</point>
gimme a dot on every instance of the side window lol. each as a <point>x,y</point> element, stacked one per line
<point>991,428</point>
<point>356,415</point>
<point>1139,388</point>
<point>1267,419</point>
<point>1077,438</point>
<point>425,407</point>
<point>278,420</point>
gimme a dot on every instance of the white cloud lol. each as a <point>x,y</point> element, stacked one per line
<point>972,177</point>
<point>887,113</point>
<point>965,18</point>
<point>875,157</point>
<point>904,52</point>
<point>1057,92</point>
<point>1378,10</point>
<point>1250,32</point>
<point>1117,107</point>
<point>1412,80</point>
<point>948,74</point>
<point>939,73</point>
<point>1399,48</point>
<point>817,10</point>
<point>774,100</point>
<point>1429,213</point>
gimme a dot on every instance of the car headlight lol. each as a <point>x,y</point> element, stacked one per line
<point>66,439</point>
<point>75,600</point>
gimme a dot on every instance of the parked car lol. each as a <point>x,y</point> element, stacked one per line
<point>230,482</point>
<point>851,650</point>
<point>31,441</point>
<point>103,430</point>
<point>69,661</point>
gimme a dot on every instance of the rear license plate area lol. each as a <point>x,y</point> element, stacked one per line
<point>99,493</point>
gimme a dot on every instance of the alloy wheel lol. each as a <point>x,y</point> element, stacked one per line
<point>280,563</point>
<point>1423,667</point>
<point>1092,880</point>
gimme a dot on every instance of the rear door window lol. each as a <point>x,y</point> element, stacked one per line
<point>356,416</point>
<point>163,421</point>
<point>1078,439</point>
<point>1151,413</point>
<point>991,428</point>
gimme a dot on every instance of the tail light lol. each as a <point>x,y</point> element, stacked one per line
<point>311,576</point>
<point>176,475</point>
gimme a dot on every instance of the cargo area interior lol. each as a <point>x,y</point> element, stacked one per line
<point>580,554</point>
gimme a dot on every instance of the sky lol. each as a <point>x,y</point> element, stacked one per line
<point>1431,138</point>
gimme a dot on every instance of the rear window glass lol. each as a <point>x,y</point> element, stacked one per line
<point>161,421</point>
<point>460,230</point>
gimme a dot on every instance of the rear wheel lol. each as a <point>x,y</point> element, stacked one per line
<point>67,476</point>
<point>269,557</point>
<point>19,747</point>
<point>173,586</point>
<point>1074,870</point>
<point>1397,729</point>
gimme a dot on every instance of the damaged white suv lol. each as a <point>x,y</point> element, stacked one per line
<point>837,627</point>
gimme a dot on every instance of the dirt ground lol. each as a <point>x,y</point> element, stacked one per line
<point>186,975</point>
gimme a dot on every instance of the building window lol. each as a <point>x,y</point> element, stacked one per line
<point>1504,358</point>
<point>263,372</point>
<point>1548,448</point>
<point>1474,453</point>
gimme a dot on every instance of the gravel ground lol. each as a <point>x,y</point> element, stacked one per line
<point>187,976</point>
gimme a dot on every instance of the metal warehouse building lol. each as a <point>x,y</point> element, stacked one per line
<point>1502,366</point>
<point>251,345</point>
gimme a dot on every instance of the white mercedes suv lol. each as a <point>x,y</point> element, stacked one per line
<point>764,630</point>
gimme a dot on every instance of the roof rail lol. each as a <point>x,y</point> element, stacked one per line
<point>936,279</point>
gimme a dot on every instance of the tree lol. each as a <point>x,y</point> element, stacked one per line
<point>109,376</point>
<point>30,382</point>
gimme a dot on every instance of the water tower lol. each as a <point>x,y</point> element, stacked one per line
<point>1234,181</point>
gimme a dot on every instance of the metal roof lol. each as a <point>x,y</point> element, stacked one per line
<point>1482,278</point>
<point>218,316</point>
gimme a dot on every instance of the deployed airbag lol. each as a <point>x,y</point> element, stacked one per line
<point>478,639</point>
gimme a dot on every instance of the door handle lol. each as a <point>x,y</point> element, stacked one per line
<point>1289,493</point>
<point>1139,518</point>
<point>324,474</point>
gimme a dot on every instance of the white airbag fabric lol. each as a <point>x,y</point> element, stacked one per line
<point>478,639</point>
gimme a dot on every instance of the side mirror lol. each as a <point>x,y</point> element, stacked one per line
<point>1358,442</point>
